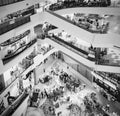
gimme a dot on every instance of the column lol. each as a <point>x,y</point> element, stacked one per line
<point>2,83</point>
<point>32,33</point>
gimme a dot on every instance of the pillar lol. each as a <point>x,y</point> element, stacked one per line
<point>2,83</point>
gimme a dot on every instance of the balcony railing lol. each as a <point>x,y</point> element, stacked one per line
<point>15,39</point>
<point>70,4</point>
<point>11,56</point>
<point>86,26</point>
<point>7,26</point>
<point>4,2</point>
<point>11,109</point>
<point>71,47</point>
<point>108,89</point>
<point>17,73</point>
<point>111,77</point>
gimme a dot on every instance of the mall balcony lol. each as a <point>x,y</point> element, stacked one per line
<point>84,51</point>
<point>103,5</point>
<point>12,6</point>
<point>11,76</point>
<point>16,103</point>
<point>25,65</point>
<point>24,69</point>
<point>109,84</point>
<point>97,39</point>
<point>15,49</point>
<point>17,22</point>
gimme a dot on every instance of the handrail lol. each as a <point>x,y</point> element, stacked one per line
<point>11,42</point>
<point>78,49</point>
<point>70,4</point>
<point>22,72</point>
<point>71,47</point>
<point>11,109</point>
<point>104,77</point>
<point>11,2</point>
<point>16,53</point>
<point>16,24</point>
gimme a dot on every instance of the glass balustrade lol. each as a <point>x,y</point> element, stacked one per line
<point>14,39</point>
<point>91,24</point>
<point>83,3</point>
<point>22,66</point>
<point>109,82</point>
<point>16,15</point>
<point>18,101</point>
<point>112,77</point>
<point>15,104</point>
<point>16,19</point>
<point>44,48</point>
<point>4,2</point>
<point>7,26</point>
<point>107,90</point>
<point>18,70</point>
<point>15,49</point>
<point>72,47</point>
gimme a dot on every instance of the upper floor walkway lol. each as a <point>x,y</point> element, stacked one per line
<point>90,10</point>
<point>23,4</point>
<point>75,54</point>
<point>96,39</point>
